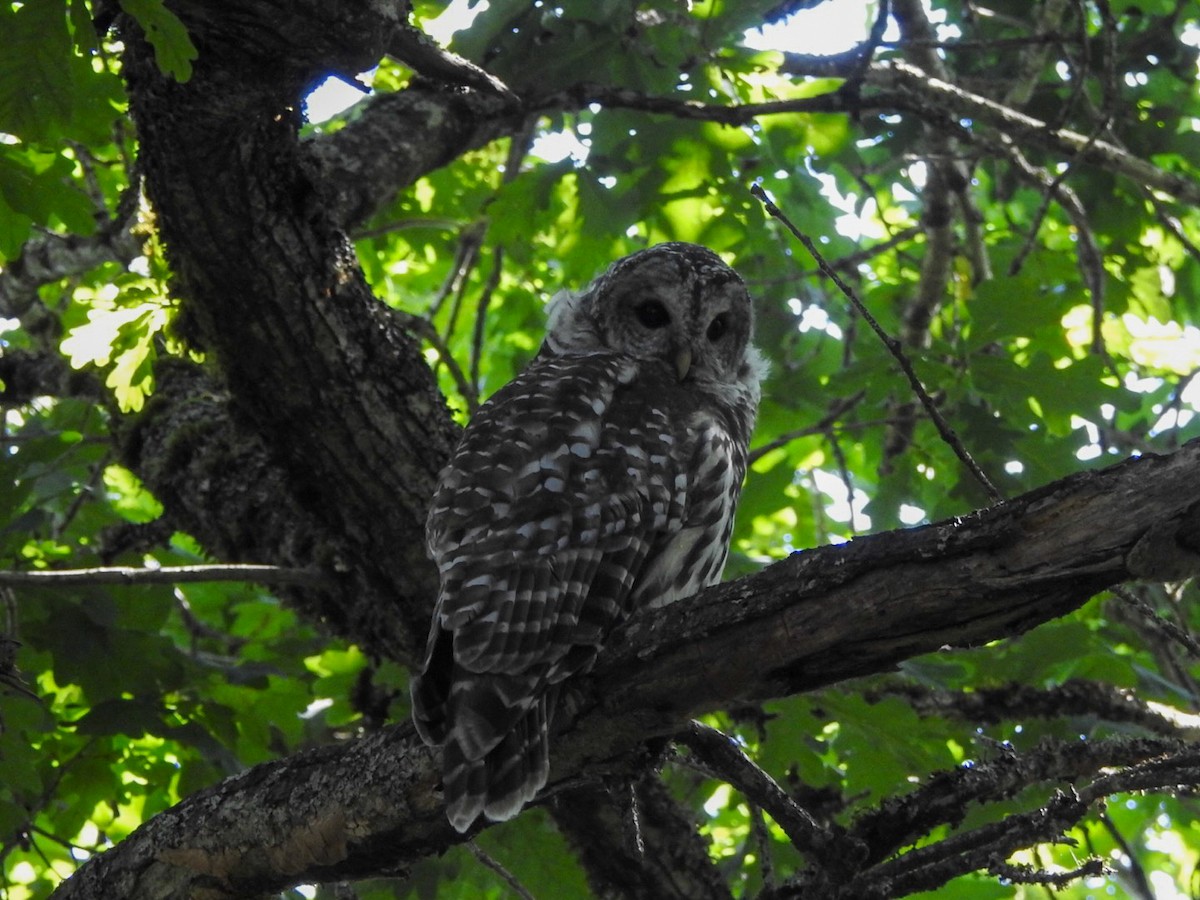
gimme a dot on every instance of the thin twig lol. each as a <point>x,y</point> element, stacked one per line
<point>843,473</point>
<point>481,311</point>
<point>518,149</point>
<point>762,838</point>
<point>851,261</point>
<point>894,86</point>
<point>1158,623</point>
<point>129,575</point>
<point>443,223</point>
<point>424,329</point>
<point>788,436</point>
<point>982,43</point>
<point>1175,402</point>
<point>729,763</point>
<point>85,493</point>
<point>931,97</point>
<point>460,282</point>
<point>892,345</point>
<point>511,880</point>
<point>464,259</point>
<point>1141,886</point>
<point>826,424</point>
<point>1091,263</point>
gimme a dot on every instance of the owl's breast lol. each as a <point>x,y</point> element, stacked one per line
<point>683,561</point>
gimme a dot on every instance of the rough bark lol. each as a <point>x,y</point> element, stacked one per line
<point>371,806</point>
<point>317,368</point>
<point>396,139</point>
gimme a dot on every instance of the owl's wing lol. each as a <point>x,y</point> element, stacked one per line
<point>561,486</point>
<point>550,505</point>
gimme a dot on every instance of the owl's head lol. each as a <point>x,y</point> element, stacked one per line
<point>676,302</point>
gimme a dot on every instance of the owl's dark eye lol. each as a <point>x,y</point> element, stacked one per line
<point>652,314</point>
<point>717,328</point>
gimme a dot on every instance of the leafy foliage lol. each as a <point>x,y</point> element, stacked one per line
<point>1077,346</point>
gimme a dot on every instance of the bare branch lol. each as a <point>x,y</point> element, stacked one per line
<point>1021,702</point>
<point>1091,261</point>
<point>128,575</point>
<point>1157,622</point>
<point>1141,885</point>
<point>506,876</point>
<point>1150,765</point>
<point>838,408</point>
<point>728,762</point>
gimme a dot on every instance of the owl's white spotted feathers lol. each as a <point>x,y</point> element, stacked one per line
<point>602,479</point>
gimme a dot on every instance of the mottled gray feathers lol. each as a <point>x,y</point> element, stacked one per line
<point>602,479</point>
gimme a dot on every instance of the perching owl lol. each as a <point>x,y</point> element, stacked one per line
<point>602,479</point>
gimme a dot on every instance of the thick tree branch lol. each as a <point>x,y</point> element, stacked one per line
<point>218,480</point>
<point>371,806</point>
<point>396,139</point>
<point>884,598</point>
<point>361,178</point>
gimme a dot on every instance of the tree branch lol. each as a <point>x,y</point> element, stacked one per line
<point>336,388</point>
<point>907,87</point>
<point>128,575</point>
<point>947,796</point>
<point>1021,701</point>
<point>371,806</point>
<point>1151,765</point>
<point>52,257</point>
<point>727,761</point>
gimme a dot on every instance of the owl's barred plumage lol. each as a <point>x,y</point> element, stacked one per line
<point>602,479</point>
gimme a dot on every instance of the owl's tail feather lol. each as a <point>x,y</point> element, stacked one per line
<point>506,778</point>
<point>431,687</point>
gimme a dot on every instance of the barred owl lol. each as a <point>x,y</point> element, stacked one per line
<point>601,480</point>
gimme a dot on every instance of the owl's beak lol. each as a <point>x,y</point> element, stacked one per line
<point>683,362</point>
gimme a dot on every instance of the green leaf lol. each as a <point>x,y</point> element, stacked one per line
<point>36,97</point>
<point>15,226</point>
<point>49,91</point>
<point>36,188</point>
<point>121,716</point>
<point>173,48</point>
<point>129,496</point>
